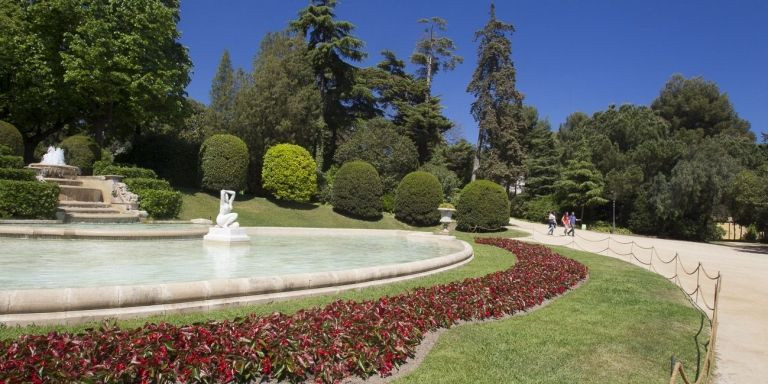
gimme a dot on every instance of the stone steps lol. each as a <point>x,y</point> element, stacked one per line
<point>104,210</point>
<point>77,193</point>
<point>69,182</point>
<point>83,204</point>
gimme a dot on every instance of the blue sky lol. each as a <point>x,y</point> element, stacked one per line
<point>570,55</point>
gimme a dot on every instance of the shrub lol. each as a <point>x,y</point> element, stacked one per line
<point>127,172</point>
<point>5,150</point>
<point>28,199</point>
<point>417,198</point>
<point>98,166</point>
<point>357,190</point>
<point>224,163</point>
<point>538,208</point>
<point>326,191</point>
<point>447,178</point>
<point>160,204</point>
<point>17,174</point>
<point>11,137</point>
<point>11,162</point>
<point>289,173</point>
<point>81,151</point>
<point>388,202</point>
<point>140,183</point>
<point>483,206</point>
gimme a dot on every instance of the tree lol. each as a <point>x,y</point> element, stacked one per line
<point>498,105</point>
<point>458,157</point>
<point>748,201</point>
<point>223,93</point>
<point>581,184</point>
<point>434,52</point>
<point>330,43</point>
<point>698,104</point>
<point>542,164</point>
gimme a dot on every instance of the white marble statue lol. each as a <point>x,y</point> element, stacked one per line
<point>54,156</point>
<point>226,218</point>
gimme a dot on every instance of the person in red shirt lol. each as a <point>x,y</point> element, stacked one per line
<point>566,223</point>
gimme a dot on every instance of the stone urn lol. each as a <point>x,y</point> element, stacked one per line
<point>446,214</point>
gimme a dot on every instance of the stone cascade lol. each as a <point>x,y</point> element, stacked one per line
<point>95,199</point>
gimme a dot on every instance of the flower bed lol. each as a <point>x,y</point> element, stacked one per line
<point>342,339</point>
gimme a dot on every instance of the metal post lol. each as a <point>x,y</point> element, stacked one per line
<point>614,213</point>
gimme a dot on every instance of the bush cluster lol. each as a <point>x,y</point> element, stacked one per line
<point>483,206</point>
<point>28,199</point>
<point>11,138</point>
<point>321,344</point>
<point>11,162</point>
<point>17,174</point>
<point>224,163</point>
<point>538,208</point>
<point>357,190</point>
<point>127,172</point>
<point>289,173</point>
<point>160,204</point>
<point>417,197</point>
<point>140,183</point>
<point>81,151</point>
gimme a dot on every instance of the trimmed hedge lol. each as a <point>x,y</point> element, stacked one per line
<point>17,174</point>
<point>11,162</point>
<point>139,183</point>
<point>224,163</point>
<point>357,190</point>
<point>127,172</point>
<point>483,206</point>
<point>290,173</point>
<point>11,137</point>
<point>160,204</point>
<point>28,199</point>
<point>81,151</point>
<point>417,197</point>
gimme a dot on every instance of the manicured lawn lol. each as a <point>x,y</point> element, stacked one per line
<point>258,211</point>
<point>621,326</point>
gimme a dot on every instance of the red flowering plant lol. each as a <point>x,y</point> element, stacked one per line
<point>324,345</point>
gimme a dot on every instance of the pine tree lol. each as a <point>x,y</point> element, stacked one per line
<point>542,164</point>
<point>434,52</point>
<point>580,184</point>
<point>498,106</point>
<point>223,93</point>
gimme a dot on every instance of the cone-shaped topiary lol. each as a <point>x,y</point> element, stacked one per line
<point>483,206</point>
<point>417,197</point>
<point>224,163</point>
<point>290,173</point>
<point>357,190</point>
<point>11,137</point>
<point>81,151</point>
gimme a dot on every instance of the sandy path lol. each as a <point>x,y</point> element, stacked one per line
<point>742,349</point>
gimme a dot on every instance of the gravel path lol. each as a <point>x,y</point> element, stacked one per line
<point>742,345</point>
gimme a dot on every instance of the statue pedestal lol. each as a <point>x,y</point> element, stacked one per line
<point>227,235</point>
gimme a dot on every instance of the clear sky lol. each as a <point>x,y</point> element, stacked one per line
<point>570,55</point>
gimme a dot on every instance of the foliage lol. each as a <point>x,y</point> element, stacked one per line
<point>498,105</point>
<point>5,150</point>
<point>11,137</point>
<point>748,202</point>
<point>160,203</point>
<point>538,208</point>
<point>81,151</point>
<point>326,189</point>
<point>449,182</point>
<point>388,202</point>
<point>290,173</point>
<point>483,206</point>
<point>580,184</point>
<point>446,206</point>
<point>139,183</point>
<point>223,92</point>
<point>377,142</point>
<point>170,156</point>
<point>357,190</point>
<point>17,174</point>
<point>417,197</point>
<point>11,162</point>
<point>330,42</point>
<point>223,163</point>
<point>327,344</point>
<point>434,52</point>
<point>28,200</point>
<point>125,171</point>
<point>458,157</point>
<point>604,227</point>
<point>542,164</point>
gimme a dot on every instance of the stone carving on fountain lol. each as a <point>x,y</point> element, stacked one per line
<point>227,229</point>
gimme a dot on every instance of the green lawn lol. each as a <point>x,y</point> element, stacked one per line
<point>623,325</point>
<point>258,211</point>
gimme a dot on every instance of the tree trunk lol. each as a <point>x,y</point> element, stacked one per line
<point>30,143</point>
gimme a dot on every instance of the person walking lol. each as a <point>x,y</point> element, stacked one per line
<point>566,223</point>
<point>572,221</point>
<point>552,223</point>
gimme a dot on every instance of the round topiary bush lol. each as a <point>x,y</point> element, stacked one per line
<point>11,137</point>
<point>483,206</point>
<point>160,204</point>
<point>81,151</point>
<point>289,172</point>
<point>357,190</point>
<point>417,197</point>
<point>224,163</point>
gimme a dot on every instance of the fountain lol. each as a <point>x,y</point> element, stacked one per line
<point>52,165</point>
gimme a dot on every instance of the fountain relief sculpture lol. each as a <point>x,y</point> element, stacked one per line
<point>227,229</point>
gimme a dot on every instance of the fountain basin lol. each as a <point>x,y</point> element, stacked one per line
<point>304,261</point>
<point>132,231</point>
<point>55,171</point>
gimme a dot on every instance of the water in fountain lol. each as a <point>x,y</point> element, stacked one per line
<point>54,156</point>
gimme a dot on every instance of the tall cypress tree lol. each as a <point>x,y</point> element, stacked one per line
<point>543,162</point>
<point>223,93</point>
<point>330,43</point>
<point>498,106</point>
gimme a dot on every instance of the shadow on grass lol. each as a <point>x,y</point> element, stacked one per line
<point>292,204</point>
<point>356,217</point>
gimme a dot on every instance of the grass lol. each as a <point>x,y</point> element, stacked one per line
<point>622,325</point>
<point>258,211</point>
